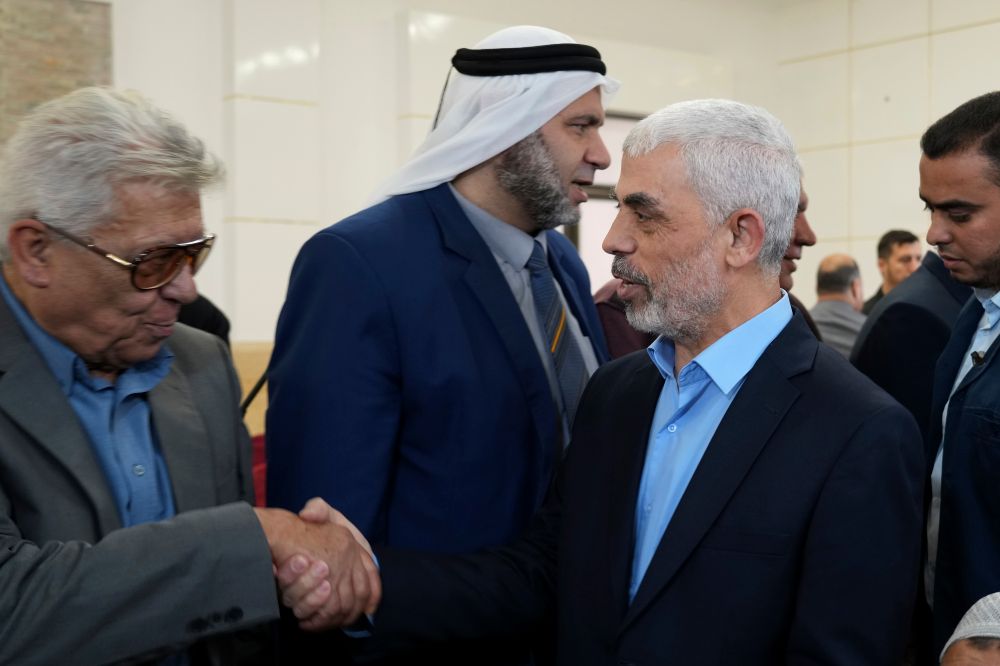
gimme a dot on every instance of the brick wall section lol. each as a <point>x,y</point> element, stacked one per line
<point>47,49</point>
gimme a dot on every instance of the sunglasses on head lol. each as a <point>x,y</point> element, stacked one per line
<point>155,267</point>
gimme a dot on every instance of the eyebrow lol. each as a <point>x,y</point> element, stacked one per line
<point>641,200</point>
<point>588,118</point>
<point>950,204</point>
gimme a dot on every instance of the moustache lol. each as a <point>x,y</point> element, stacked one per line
<point>620,268</point>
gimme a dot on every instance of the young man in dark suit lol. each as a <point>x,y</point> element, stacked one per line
<point>960,186</point>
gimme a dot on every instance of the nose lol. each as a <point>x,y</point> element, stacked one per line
<point>618,240</point>
<point>597,153</point>
<point>802,233</point>
<point>182,288</point>
<point>937,233</point>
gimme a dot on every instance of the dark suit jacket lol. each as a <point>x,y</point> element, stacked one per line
<point>968,555</point>
<point>205,315</point>
<point>796,542</point>
<point>405,388</point>
<point>903,336</point>
<point>75,588</point>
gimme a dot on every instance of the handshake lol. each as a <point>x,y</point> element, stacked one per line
<point>324,566</point>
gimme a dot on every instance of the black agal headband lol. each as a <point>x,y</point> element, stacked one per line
<point>524,60</point>
<point>529,60</point>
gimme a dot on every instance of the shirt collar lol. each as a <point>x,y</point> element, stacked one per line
<point>68,367</point>
<point>727,360</point>
<point>990,300</point>
<point>505,240</point>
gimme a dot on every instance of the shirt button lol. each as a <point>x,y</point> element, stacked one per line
<point>672,427</point>
<point>138,470</point>
<point>649,507</point>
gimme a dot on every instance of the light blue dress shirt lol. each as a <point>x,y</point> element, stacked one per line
<point>689,410</point>
<point>116,418</point>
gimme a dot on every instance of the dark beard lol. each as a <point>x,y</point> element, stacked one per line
<point>529,173</point>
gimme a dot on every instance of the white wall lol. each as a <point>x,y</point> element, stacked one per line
<point>313,102</point>
<point>858,82</point>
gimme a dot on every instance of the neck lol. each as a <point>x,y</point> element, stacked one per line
<point>107,373</point>
<point>740,306</point>
<point>480,186</point>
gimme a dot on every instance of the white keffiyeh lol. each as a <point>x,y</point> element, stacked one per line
<point>481,116</point>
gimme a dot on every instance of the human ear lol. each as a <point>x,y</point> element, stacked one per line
<point>29,246</point>
<point>746,227</point>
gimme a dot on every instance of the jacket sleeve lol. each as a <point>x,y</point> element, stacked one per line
<point>138,591</point>
<point>862,551</point>
<point>899,354</point>
<point>334,388</point>
<point>497,593</point>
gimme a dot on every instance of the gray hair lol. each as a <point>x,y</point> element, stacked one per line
<point>66,159</point>
<point>736,156</point>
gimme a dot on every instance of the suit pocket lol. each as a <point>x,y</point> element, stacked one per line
<point>746,541</point>
<point>984,427</point>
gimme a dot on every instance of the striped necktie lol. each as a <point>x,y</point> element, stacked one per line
<point>552,314</point>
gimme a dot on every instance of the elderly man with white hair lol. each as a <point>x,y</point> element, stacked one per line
<point>126,526</point>
<point>433,347</point>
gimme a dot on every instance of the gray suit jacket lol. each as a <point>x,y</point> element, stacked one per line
<point>74,587</point>
<point>838,323</point>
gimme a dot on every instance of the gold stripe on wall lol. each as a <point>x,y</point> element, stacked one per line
<point>272,220</point>
<point>270,100</point>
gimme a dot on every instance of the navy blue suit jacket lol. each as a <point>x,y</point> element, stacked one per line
<point>900,342</point>
<point>405,388</point>
<point>796,542</point>
<point>968,554</point>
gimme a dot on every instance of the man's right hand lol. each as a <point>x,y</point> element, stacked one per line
<point>324,566</point>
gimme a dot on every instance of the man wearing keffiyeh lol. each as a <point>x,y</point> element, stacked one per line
<point>432,348</point>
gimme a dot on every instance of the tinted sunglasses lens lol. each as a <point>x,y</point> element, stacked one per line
<point>199,254</point>
<point>158,268</point>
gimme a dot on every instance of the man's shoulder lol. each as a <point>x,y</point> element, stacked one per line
<point>405,223</point>
<point>835,386</point>
<point>194,347</point>
<point>623,368</point>
<point>823,310</point>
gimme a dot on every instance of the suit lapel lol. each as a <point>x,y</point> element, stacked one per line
<point>31,397</point>
<point>634,408</point>
<point>483,278</point>
<point>748,424</point>
<point>183,440</point>
<point>947,368</point>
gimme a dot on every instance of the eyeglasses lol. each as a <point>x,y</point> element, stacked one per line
<point>156,266</point>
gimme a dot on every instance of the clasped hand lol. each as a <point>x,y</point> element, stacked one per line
<point>324,566</point>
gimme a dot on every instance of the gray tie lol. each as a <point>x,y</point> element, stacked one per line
<point>570,368</point>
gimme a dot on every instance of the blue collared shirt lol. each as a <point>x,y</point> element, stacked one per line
<point>689,410</point>
<point>116,418</point>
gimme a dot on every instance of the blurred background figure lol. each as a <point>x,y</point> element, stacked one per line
<point>839,298</point>
<point>898,256</point>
